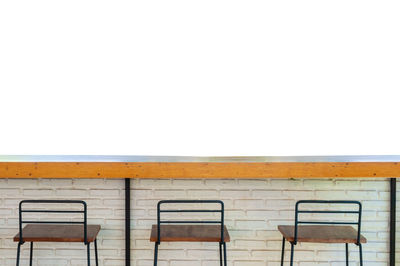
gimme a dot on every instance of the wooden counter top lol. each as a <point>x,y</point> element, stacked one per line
<point>78,166</point>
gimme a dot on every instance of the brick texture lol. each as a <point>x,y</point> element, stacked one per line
<point>254,208</point>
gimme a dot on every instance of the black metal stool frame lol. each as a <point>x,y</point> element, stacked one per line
<point>84,222</point>
<point>297,222</point>
<point>222,244</point>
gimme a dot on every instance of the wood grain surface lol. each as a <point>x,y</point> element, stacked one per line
<point>199,169</point>
<point>321,234</point>
<point>189,233</point>
<point>57,233</point>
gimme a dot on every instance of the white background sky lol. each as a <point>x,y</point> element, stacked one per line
<point>206,77</point>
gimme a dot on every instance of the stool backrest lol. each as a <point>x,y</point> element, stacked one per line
<point>356,221</point>
<point>39,210</point>
<point>163,202</point>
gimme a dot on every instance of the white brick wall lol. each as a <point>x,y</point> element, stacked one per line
<point>254,208</point>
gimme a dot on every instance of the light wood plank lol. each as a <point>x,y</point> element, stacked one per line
<point>199,169</point>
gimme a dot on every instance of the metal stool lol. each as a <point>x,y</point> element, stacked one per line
<point>323,231</point>
<point>190,230</point>
<point>55,231</point>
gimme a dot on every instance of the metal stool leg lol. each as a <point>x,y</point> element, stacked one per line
<point>347,254</point>
<point>156,253</point>
<point>95,252</point>
<point>18,251</point>
<point>30,255</point>
<point>224,253</point>
<point>291,254</point>
<point>88,254</point>
<point>361,259</point>
<point>220,254</point>
<point>283,251</point>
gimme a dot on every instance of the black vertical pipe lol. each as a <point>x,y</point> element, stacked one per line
<point>392,221</point>
<point>127,222</point>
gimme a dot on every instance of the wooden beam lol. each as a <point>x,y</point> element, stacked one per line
<point>198,169</point>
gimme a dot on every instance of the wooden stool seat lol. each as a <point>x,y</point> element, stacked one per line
<point>40,229</point>
<point>57,233</point>
<point>319,231</point>
<point>189,233</point>
<point>193,230</point>
<point>321,234</point>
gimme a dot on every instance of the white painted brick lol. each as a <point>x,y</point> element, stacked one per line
<point>249,263</point>
<point>169,193</point>
<point>364,195</point>
<point>298,194</point>
<point>141,193</point>
<point>39,193</point>
<point>171,253</point>
<point>72,192</point>
<point>88,183</point>
<point>249,204</point>
<point>253,183</point>
<point>52,262</point>
<point>347,184</point>
<point>264,214</point>
<point>237,194</point>
<point>185,263</point>
<point>333,195</point>
<point>225,183</point>
<point>8,192</point>
<point>153,183</point>
<point>59,182</point>
<point>209,262</point>
<point>4,212</point>
<point>111,262</point>
<point>251,224</point>
<point>315,184</point>
<point>268,194</point>
<point>203,193</point>
<point>22,182</point>
<point>150,263</point>
<point>189,183</point>
<point>254,208</point>
<point>249,244</point>
<point>381,185</point>
<point>282,204</point>
<point>105,192</point>
<point>284,184</point>
<point>384,195</point>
